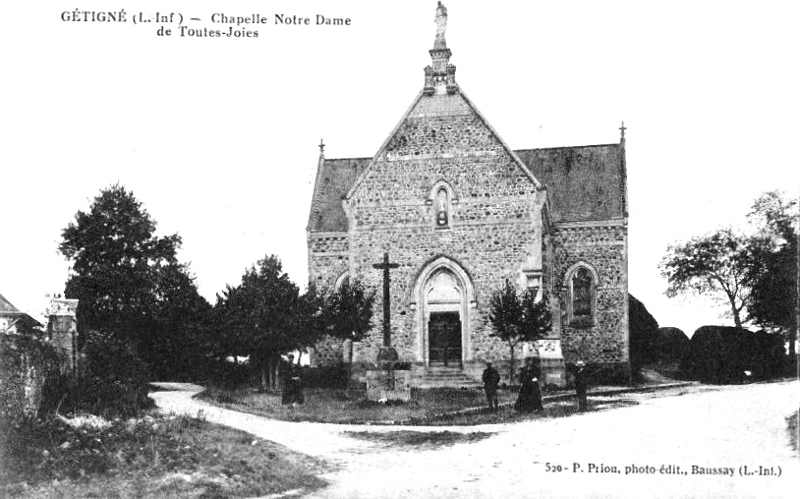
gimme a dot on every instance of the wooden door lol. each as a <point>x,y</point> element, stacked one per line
<point>444,339</point>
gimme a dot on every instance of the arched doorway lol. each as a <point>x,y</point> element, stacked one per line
<point>443,292</point>
<point>443,300</point>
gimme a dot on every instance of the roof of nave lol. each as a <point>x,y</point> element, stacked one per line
<point>334,179</point>
<point>584,183</point>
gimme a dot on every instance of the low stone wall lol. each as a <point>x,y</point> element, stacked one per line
<point>385,385</point>
<point>25,365</point>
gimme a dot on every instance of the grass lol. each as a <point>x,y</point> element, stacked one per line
<point>151,457</point>
<point>433,407</point>
<point>417,439</point>
<point>558,409</point>
<point>342,406</point>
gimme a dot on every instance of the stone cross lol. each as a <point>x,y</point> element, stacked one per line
<point>321,146</point>
<point>387,329</point>
<point>622,131</point>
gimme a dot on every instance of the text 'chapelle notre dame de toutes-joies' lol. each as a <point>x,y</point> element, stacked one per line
<point>216,25</point>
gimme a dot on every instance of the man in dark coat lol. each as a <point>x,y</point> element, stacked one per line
<point>580,385</point>
<point>292,388</point>
<point>491,379</point>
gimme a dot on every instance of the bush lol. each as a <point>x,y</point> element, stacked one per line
<point>226,374</point>
<point>643,335</point>
<point>672,345</point>
<point>112,383</point>
<point>719,354</point>
<point>334,376</point>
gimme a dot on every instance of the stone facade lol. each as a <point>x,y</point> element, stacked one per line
<point>461,213</point>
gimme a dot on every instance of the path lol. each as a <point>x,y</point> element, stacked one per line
<point>723,428</point>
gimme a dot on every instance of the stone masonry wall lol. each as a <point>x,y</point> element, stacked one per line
<point>494,229</point>
<point>604,246</point>
<point>489,254</point>
<point>328,259</point>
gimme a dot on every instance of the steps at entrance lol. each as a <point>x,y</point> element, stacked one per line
<point>441,377</point>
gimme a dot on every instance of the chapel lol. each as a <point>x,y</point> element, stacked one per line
<point>459,213</point>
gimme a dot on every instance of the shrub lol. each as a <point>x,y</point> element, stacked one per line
<point>113,382</point>
<point>719,354</point>
<point>227,374</point>
<point>672,344</point>
<point>334,376</point>
<point>643,335</point>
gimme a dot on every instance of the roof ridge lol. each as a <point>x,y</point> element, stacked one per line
<point>568,147</point>
<point>362,158</point>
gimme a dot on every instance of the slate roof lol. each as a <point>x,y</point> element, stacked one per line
<point>584,183</point>
<point>6,308</point>
<point>21,318</point>
<point>334,179</point>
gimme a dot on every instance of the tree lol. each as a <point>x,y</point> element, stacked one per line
<point>129,281</point>
<point>116,261</point>
<point>267,317</point>
<point>348,313</point>
<point>179,344</point>
<point>716,264</point>
<point>516,317</point>
<point>774,274</point>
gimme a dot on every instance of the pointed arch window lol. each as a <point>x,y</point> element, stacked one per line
<point>581,282</point>
<point>581,293</point>
<point>441,200</point>
<point>442,207</point>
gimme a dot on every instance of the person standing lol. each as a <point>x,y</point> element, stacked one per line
<point>580,385</point>
<point>292,384</point>
<point>530,395</point>
<point>491,379</point>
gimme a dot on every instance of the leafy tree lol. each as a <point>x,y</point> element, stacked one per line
<point>348,313</point>
<point>180,343</point>
<point>128,280</point>
<point>265,316</point>
<point>774,273</point>
<point>309,319</point>
<point>716,264</point>
<point>516,317</point>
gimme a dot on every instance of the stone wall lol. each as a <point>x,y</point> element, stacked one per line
<point>25,364</point>
<point>328,259</point>
<point>28,358</point>
<point>603,245</point>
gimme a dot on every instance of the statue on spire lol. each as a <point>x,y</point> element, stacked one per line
<point>441,26</point>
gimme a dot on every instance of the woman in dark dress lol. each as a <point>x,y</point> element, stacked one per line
<point>530,396</point>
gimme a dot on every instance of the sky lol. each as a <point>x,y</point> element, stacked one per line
<point>218,137</point>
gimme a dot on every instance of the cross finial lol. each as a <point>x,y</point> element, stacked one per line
<point>622,132</point>
<point>321,146</point>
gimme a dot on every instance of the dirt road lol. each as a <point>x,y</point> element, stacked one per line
<point>725,442</point>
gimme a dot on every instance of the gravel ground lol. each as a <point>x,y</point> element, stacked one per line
<point>734,429</point>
